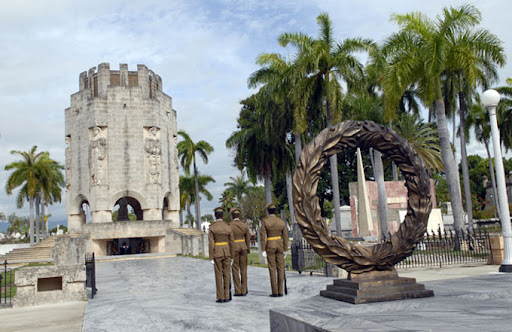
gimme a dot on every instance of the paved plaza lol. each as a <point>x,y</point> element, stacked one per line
<point>177,294</point>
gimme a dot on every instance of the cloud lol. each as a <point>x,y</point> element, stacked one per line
<point>204,52</point>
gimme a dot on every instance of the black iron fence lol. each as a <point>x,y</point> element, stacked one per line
<point>7,288</point>
<point>436,249</point>
<point>304,258</point>
<point>90,273</point>
<point>450,248</point>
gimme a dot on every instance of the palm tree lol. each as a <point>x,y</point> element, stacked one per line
<point>423,138</point>
<point>421,52</point>
<point>188,193</point>
<point>30,173</point>
<point>504,114</point>
<point>187,150</point>
<point>478,118</point>
<point>239,186</point>
<point>227,200</point>
<point>2,216</point>
<point>323,65</point>
<point>279,81</point>
<point>259,150</point>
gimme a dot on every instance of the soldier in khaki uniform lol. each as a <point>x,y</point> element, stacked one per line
<point>274,240</point>
<point>241,248</point>
<point>220,240</point>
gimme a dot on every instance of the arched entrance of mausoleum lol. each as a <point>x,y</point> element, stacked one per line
<point>127,208</point>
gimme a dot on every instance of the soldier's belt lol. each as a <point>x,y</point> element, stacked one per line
<point>241,240</point>
<point>221,243</point>
<point>274,238</point>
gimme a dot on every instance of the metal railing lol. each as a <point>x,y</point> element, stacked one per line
<point>450,248</point>
<point>304,258</point>
<point>6,285</point>
<point>90,273</point>
<point>436,249</point>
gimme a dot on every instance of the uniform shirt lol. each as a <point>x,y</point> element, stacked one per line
<point>273,226</point>
<point>241,232</point>
<point>220,232</point>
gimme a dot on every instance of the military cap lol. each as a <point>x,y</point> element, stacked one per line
<point>218,209</point>
<point>270,206</point>
<point>234,210</point>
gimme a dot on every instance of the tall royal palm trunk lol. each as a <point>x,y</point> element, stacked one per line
<point>189,214</point>
<point>333,161</point>
<point>31,222</point>
<point>45,213</point>
<point>197,206</point>
<point>298,147</point>
<point>450,169</point>
<point>378,170</point>
<point>268,188</point>
<point>493,179</point>
<point>289,183</point>
<point>38,216</point>
<point>464,159</point>
<point>393,165</point>
<point>296,233</point>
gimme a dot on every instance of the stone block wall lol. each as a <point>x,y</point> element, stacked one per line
<point>29,281</point>
<point>187,242</point>
<point>62,282</point>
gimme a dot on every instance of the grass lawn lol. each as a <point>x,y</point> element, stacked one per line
<point>8,279</point>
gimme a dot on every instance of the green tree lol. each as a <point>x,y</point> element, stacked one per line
<point>504,114</point>
<point>239,186</point>
<point>187,150</point>
<point>423,137</point>
<point>227,201</point>
<point>324,65</point>
<point>421,52</point>
<point>252,207</point>
<point>188,192</point>
<point>32,173</point>
<point>279,80</point>
<point>255,149</point>
<point>18,224</point>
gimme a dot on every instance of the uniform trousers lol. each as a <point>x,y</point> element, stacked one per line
<point>240,271</point>
<point>276,269</point>
<point>222,277</point>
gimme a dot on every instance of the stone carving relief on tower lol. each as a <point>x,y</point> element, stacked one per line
<point>68,160</point>
<point>153,151</point>
<point>98,161</point>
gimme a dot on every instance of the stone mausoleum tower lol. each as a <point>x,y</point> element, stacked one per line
<point>121,156</point>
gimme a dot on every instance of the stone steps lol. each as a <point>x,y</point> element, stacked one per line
<point>375,290</point>
<point>39,252</point>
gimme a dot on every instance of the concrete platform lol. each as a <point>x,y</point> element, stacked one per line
<point>177,294</point>
<point>469,304</point>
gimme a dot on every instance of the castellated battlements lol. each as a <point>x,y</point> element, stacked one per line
<point>98,80</point>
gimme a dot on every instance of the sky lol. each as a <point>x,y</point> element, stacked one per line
<point>203,50</point>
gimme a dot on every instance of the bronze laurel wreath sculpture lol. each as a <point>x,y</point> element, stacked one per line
<point>334,249</point>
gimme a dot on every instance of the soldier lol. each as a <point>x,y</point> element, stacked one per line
<point>241,248</point>
<point>220,240</point>
<point>274,240</point>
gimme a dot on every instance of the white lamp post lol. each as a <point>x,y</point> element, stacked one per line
<point>490,99</point>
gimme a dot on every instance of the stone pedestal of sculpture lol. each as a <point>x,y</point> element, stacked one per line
<point>375,286</point>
